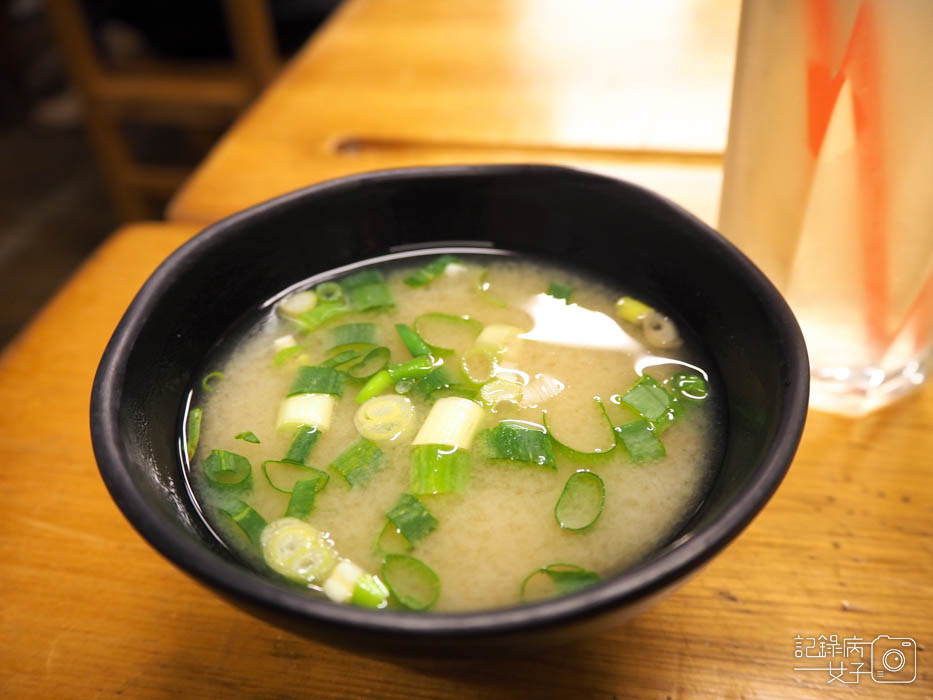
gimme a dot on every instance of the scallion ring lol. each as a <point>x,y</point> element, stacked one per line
<point>209,383</point>
<point>282,476</point>
<point>482,286</point>
<point>297,550</point>
<point>392,541</point>
<point>249,521</point>
<point>451,330</point>
<point>227,469</point>
<point>384,417</point>
<point>597,452</point>
<point>329,291</point>
<point>298,303</point>
<point>352,333</point>
<point>193,431</point>
<point>374,361</point>
<point>341,358</point>
<point>555,579</point>
<point>478,365</point>
<point>412,582</point>
<point>660,331</point>
<point>689,386</point>
<point>581,502</point>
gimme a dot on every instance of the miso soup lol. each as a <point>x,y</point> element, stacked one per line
<point>452,433</point>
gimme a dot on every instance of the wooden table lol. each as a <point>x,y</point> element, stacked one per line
<point>87,609</point>
<point>635,90</point>
<point>845,547</point>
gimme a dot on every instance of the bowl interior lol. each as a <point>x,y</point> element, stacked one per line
<point>616,230</point>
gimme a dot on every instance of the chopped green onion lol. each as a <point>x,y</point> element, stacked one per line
<point>359,462</point>
<point>322,313</point>
<point>341,358</point>
<point>317,380</point>
<point>438,381</point>
<point>438,469</point>
<point>329,292</point>
<point>297,550</point>
<point>297,303</point>
<point>498,338</point>
<point>359,348</point>
<point>209,383</point>
<point>460,390</point>
<point>370,592</point>
<point>456,331</point>
<point>518,443</point>
<point>384,417</point>
<point>556,579</point>
<point>314,410</point>
<point>415,344</point>
<point>306,437</point>
<point>501,389</point>
<point>251,522</point>
<point>282,476</point>
<point>304,492</point>
<point>428,272</point>
<point>377,384</point>
<point>543,387</point>
<point>650,400</point>
<point>632,310</point>
<point>452,421</point>
<point>342,581</point>
<point>247,436</point>
<point>284,341</point>
<point>660,331</point>
<point>689,386</point>
<point>411,518</point>
<point>348,583</point>
<point>193,430</point>
<point>559,290</point>
<point>391,541</point>
<point>581,502</point>
<point>641,441</point>
<point>438,378</point>
<point>227,469</point>
<point>375,361</point>
<point>353,333</point>
<point>283,355</point>
<point>482,286</point>
<point>478,365</point>
<point>367,290</point>
<point>415,368</point>
<point>412,582</point>
<point>600,451</point>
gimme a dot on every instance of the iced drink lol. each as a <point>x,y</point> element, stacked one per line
<point>828,184</point>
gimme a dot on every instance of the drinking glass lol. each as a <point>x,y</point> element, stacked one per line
<point>828,184</point>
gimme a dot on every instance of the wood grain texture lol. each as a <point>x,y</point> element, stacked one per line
<point>89,610</point>
<point>635,90</point>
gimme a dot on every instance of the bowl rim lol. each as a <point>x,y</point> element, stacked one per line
<point>633,584</point>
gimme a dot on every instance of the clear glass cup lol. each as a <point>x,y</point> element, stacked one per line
<point>828,184</point>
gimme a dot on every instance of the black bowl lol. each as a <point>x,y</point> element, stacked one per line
<point>613,228</point>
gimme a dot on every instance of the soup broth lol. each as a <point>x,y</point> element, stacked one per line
<point>503,522</point>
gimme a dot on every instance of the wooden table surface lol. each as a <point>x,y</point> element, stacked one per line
<point>845,547</point>
<point>87,609</point>
<point>636,90</point>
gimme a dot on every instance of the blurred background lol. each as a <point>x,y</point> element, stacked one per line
<point>106,106</point>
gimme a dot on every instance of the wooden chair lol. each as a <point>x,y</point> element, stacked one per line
<point>194,97</point>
